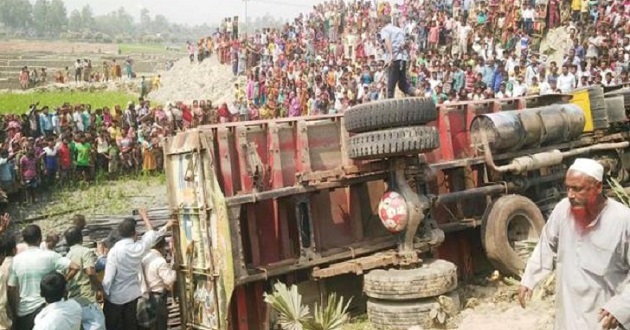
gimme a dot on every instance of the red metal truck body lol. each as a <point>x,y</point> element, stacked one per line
<point>280,200</point>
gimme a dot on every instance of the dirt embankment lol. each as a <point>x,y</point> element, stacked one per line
<point>24,47</point>
<point>208,80</point>
<point>494,306</point>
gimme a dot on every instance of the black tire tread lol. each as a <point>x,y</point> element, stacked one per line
<point>494,231</point>
<point>388,315</point>
<point>401,315</point>
<point>390,113</point>
<point>393,142</point>
<point>433,278</point>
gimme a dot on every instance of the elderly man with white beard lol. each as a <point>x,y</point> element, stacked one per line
<point>588,235</point>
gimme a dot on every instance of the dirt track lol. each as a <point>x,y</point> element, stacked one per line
<point>23,47</point>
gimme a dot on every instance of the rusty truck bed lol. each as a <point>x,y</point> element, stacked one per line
<point>258,200</point>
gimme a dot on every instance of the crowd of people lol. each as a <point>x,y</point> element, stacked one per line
<point>454,50</point>
<point>65,284</point>
<point>84,71</point>
<point>47,147</point>
<point>323,62</point>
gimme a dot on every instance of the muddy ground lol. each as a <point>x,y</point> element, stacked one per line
<point>52,210</point>
<point>490,303</point>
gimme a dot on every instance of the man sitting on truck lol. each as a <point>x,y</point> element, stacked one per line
<point>589,235</point>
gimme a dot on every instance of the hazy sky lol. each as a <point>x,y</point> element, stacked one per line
<point>198,11</point>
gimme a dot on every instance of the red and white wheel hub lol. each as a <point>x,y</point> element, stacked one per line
<point>392,210</point>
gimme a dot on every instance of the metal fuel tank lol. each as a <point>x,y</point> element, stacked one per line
<point>518,129</point>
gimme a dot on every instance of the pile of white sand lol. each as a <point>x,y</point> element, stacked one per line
<point>186,82</point>
<point>556,43</point>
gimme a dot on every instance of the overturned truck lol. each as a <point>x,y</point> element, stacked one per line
<point>413,196</point>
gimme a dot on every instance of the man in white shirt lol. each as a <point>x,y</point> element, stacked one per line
<point>159,278</point>
<point>566,81</point>
<point>28,269</point>
<point>519,88</point>
<point>58,314</point>
<point>121,284</point>
<point>531,71</point>
<point>528,15</point>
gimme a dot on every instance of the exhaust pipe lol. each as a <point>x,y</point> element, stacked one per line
<point>543,159</point>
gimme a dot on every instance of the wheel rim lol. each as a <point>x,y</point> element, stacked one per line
<point>521,234</point>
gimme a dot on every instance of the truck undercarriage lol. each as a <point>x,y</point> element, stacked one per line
<point>297,200</point>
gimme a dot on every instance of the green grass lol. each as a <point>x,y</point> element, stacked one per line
<point>18,103</point>
<point>143,48</point>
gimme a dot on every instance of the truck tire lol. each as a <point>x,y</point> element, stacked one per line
<point>389,114</point>
<point>401,315</point>
<point>433,278</point>
<point>393,142</point>
<point>508,223</point>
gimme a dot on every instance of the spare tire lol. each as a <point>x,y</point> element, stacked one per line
<point>433,278</point>
<point>401,315</point>
<point>510,224</point>
<point>389,114</point>
<point>393,142</point>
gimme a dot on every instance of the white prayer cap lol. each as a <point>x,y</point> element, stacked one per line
<point>589,167</point>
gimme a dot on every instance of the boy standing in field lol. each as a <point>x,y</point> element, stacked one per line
<point>83,153</point>
<point>113,160</point>
<point>106,71</point>
<point>65,160</point>
<point>157,83</point>
<point>29,174</point>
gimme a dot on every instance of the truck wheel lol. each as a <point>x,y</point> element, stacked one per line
<point>401,315</point>
<point>393,142</point>
<point>510,224</point>
<point>433,278</point>
<point>389,114</point>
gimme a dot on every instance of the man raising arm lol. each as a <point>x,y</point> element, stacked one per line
<point>121,284</point>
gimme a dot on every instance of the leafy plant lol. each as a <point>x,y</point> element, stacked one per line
<point>331,317</point>
<point>287,302</point>
<point>619,192</point>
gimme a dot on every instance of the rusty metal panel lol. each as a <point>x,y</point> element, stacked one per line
<point>203,234</point>
<point>445,151</point>
<point>303,161</point>
<point>285,154</point>
<point>268,226</point>
<point>357,266</point>
<point>251,146</point>
<point>227,162</point>
<point>324,137</point>
<point>331,220</point>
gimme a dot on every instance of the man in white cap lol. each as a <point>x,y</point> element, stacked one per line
<point>587,236</point>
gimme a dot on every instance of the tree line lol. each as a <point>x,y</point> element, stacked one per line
<point>50,19</point>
